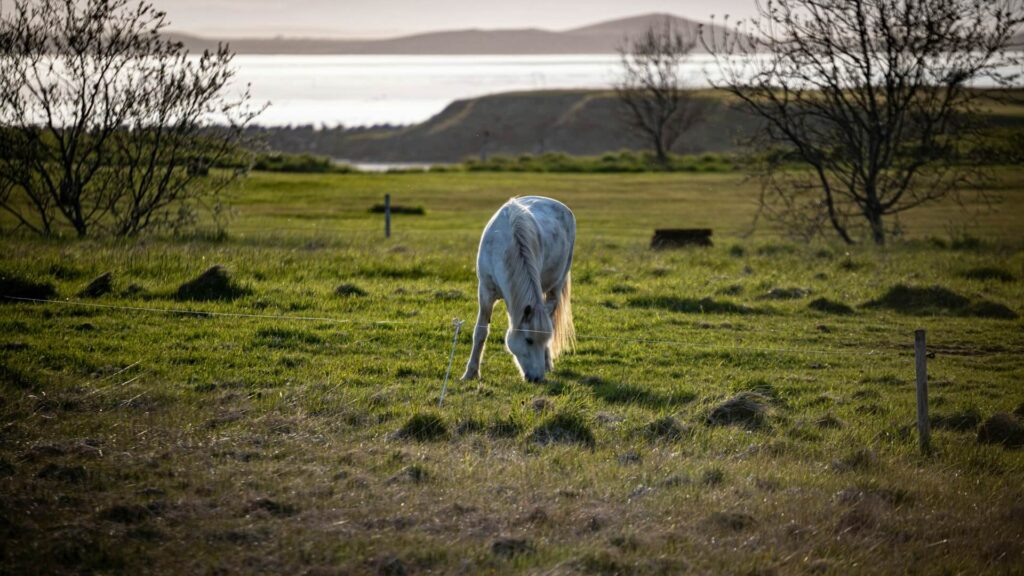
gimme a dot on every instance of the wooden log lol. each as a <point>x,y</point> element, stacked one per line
<point>679,237</point>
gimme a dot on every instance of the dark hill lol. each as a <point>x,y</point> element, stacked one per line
<point>582,122</point>
<point>601,38</point>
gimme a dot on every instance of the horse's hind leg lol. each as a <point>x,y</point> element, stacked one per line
<point>480,332</point>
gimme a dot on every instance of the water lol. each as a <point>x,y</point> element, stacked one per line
<point>366,90</point>
<point>376,89</point>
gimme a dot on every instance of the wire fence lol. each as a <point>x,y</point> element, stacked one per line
<point>103,384</point>
<point>683,344</point>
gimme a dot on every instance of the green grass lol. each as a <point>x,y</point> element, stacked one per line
<point>135,441</point>
<point>612,162</point>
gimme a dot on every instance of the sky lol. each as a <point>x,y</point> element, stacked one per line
<point>385,18</point>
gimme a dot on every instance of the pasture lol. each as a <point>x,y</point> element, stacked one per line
<point>302,435</point>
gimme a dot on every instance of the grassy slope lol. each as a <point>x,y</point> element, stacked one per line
<point>259,445</point>
<point>578,122</point>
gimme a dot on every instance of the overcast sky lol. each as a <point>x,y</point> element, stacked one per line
<point>383,18</point>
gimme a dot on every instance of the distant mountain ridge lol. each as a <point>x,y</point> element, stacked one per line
<point>600,38</point>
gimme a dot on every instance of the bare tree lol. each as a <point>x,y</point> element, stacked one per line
<point>106,125</point>
<point>875,97</point>
<point>658,104</point>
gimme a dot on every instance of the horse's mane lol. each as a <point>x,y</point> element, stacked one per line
<point>523,261</point>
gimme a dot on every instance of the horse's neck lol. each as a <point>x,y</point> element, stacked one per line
<point>523,264</point>
<point>523,290</point>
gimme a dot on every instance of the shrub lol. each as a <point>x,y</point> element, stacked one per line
<point>298,163</point>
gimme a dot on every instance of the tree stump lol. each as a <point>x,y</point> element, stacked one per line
<point>679,237</point>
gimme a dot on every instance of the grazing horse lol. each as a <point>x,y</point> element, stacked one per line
<point>524,259</point>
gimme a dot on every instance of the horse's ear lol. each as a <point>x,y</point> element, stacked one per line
<point>527,313</point>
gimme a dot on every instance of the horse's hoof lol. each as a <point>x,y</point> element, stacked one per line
<point>470,376</point>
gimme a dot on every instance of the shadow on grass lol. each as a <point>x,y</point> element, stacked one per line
<point>15,287</point>
<point>989,273</point>
<point>622,393</point>
<point>937,300</point>
<point>693,305</point>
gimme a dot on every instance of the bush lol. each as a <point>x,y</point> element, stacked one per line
<point>612,162</point>
<point>299,163</point>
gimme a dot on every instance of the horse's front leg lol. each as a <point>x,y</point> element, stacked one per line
<point>480,332</point>
<point>551,306</point>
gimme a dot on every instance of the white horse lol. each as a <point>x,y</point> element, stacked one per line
<point>524,258</point>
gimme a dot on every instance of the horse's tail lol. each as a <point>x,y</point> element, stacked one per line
<point>564,337</point>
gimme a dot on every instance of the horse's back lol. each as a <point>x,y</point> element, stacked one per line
<point>556,234</point>
<point>548,211</point>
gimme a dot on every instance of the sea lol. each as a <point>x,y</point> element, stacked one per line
<point>375,89</point>
<point>367,90</point>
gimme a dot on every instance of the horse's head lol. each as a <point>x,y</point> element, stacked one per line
<point>527,340</point>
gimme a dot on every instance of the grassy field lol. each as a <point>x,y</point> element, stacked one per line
<point>306,437</point>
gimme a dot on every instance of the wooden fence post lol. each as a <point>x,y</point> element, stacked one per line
<point>921,365</point>
<point>387,215</point>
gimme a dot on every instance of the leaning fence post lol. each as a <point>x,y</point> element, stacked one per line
<point>387,215</point>
<point>921,365</point>
<point>451,359</point>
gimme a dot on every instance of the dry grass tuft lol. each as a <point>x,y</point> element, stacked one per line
<point>748,409</point>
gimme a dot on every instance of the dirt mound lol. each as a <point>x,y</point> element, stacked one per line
<point>734,521</point>
<point>830,306</point>
<point>989,273</point>
<point>563,428</point>
<point>15,287</point>
<point>346,290</point>
<point>786,294</point>
<point>748,409</point>
<point>424,427</point>
<point>937,300</point>
<point>691,305</point>
<point>665,428</point>
<point>961,421</point>
<point>101,285</point>
<point>214,284</point>
<point>1002,428</point>
<point>511,547</point>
